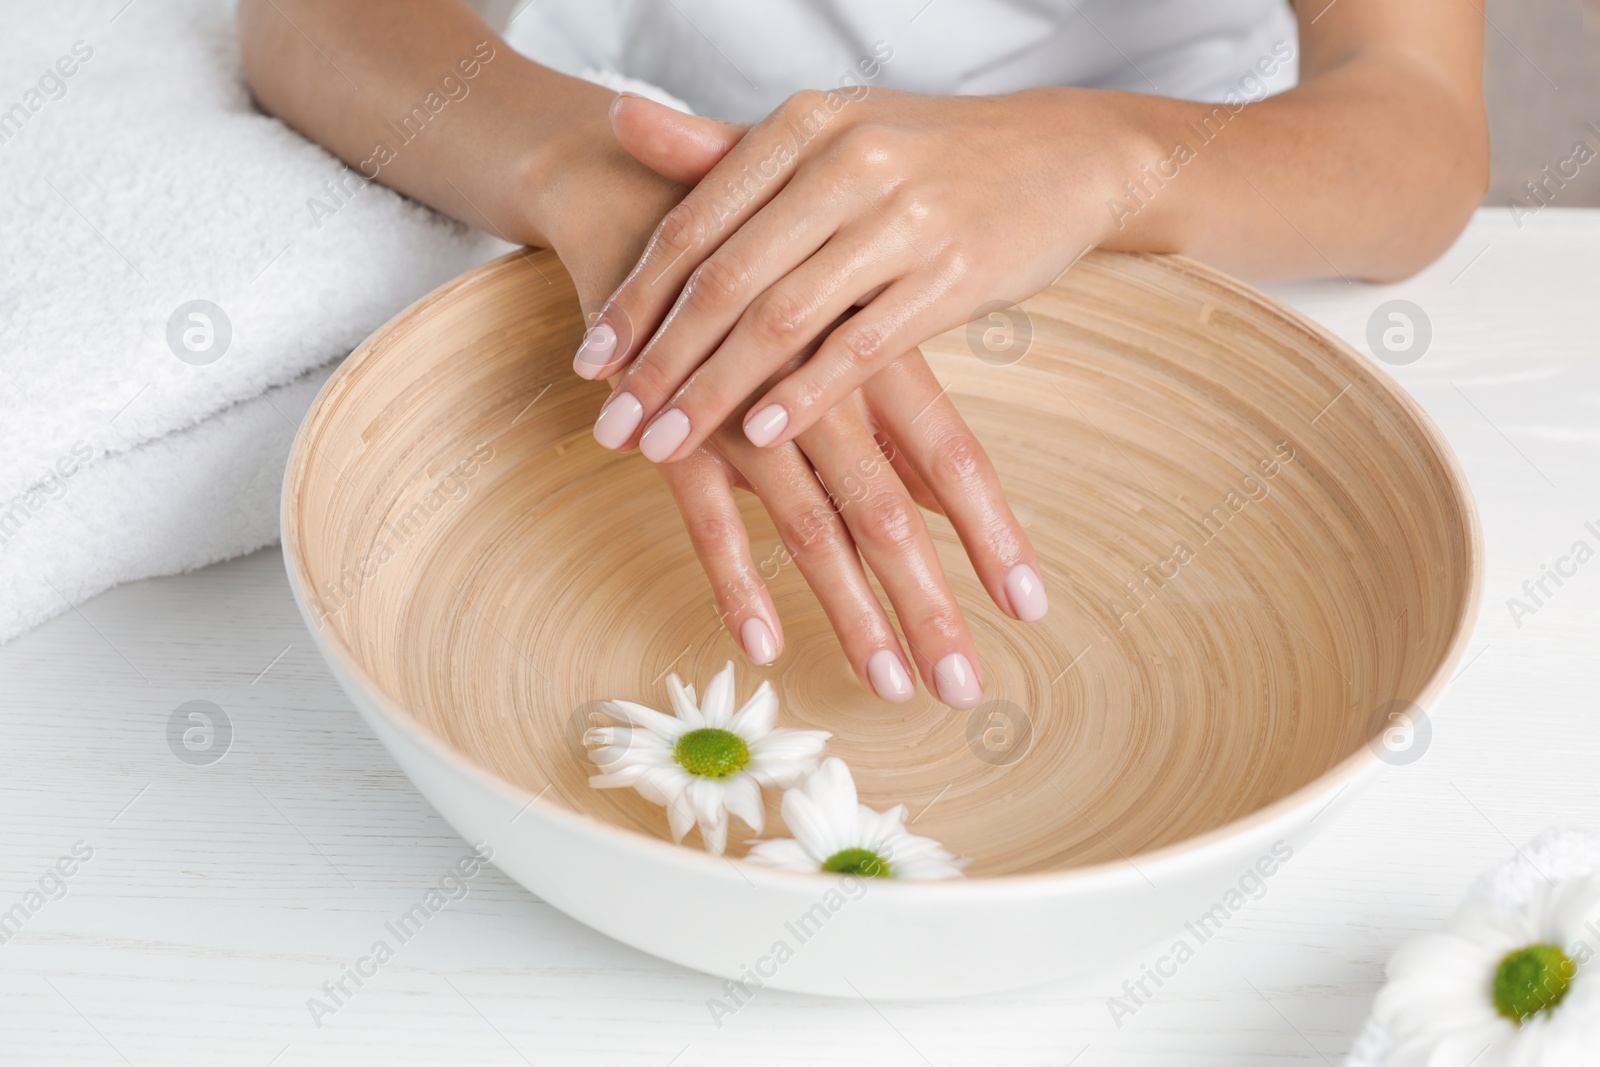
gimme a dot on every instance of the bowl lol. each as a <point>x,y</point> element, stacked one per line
<point>1262,558</point>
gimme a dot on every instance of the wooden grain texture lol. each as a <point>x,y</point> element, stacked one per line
<point>1254,546</point>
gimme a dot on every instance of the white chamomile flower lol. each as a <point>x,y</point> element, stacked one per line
<point>1501,989</point>
<point>708,761</point>
<point>834,833</point>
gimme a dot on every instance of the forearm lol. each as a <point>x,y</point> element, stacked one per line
<point>1367,169</point>
<point>1367,172</point>
<point>423,96</point>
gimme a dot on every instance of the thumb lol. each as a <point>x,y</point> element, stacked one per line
<point>679,147</point>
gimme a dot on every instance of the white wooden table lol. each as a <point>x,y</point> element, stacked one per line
<point>218,898</point>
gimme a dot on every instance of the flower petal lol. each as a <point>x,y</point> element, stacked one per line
<point>781,759</point>
<point>715,836</point>
<point>1573,909</point>
<point>683,703</point>
<point>679,818</point>
<point>706,798</point>
<point>717,707</point>
<point>663,726</point>
<point>915,858</point>
<point>834,792</point>
<point>753,721</point>
<point>742,797</point>
<point>784,852</point>
<point>809,828</point>
<point>663,785</point>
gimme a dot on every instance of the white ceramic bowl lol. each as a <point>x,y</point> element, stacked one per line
<point>445,546</point>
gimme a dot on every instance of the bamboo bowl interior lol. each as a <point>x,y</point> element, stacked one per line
<point>495,571</point>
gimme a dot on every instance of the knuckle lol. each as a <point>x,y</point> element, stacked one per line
<point>810,530</point>
<point>956,458</point>
<point>718,283</point>
<point>778,317</point>
<point>871,143</point>
<point>945,622</point>
<point>712,534</point>
<point>889,520</point>
<point>681,229</point>
<point>910,206</point>
<point>803,104</point>
<point>860,344</point>
<point>952,266</point>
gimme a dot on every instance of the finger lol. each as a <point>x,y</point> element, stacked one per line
<point>677,146</point>
<point>885,524</point>
<point>904,315</point>
<point>910,405</point>
<point>817,541</point>
<point>798,307</point>
<point>769,247</point>
<point>909,475</point>
<point>738,186</point>
<point>716,529</point>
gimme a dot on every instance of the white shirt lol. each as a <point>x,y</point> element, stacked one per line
<point>738,59</point>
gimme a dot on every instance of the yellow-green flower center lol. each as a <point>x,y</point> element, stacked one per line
<point>1531,980</point>
<point>712,753</point>
<point>860,861</point>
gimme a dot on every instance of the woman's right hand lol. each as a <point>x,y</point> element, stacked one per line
<point>844,494</point>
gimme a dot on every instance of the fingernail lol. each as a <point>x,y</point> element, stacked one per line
<point>758,642</point>
<point>958,684</point>
<point>765,425</point>
<point>889,679</point>
<point>618,421</point>
<point>1026,593</point>
<point>596,350</point>
<point>664,436</point>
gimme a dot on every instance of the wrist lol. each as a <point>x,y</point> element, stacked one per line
<point>565,143</point>
<point>1127,187</point>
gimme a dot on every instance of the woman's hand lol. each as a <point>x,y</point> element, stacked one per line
<point>923,209</point>
<point>845,495</point>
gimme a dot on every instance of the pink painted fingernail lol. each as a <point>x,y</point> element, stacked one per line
<point>664,436</point>
<point>958,683</point>
<point>765,425</point>
<point>889,679</point>
<point>595,352</point>
<point>618,421</point>
<point>1026,593</point>
<point>758,642</point>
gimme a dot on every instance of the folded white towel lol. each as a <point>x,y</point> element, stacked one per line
<point>137,176</point>
<point>179,502</point>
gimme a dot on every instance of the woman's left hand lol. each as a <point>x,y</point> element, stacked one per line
<point>919,210</point>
